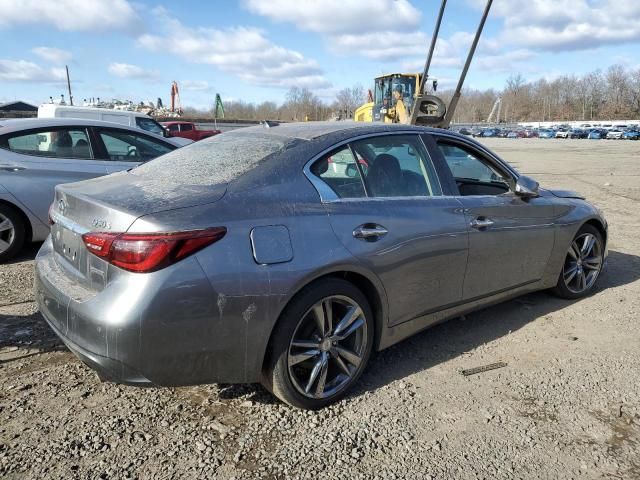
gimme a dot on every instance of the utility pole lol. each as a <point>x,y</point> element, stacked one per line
<point>69,86</point>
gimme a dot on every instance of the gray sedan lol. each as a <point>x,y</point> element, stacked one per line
<point>38,154</point>
<point>287,254</point>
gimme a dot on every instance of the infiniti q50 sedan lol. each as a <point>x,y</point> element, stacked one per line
<point>287,254</point>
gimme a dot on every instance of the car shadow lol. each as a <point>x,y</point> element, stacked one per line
<point>28,252</point>
<point>23,336</point>
<point>461,335</point>
<point>420,352</point>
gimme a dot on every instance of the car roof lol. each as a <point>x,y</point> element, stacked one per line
<point>18,124</point>
<point>313,130</point>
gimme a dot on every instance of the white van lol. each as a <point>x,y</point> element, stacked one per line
<point>123,117</point>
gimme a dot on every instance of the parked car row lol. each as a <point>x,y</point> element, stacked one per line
<point>38,154</point>
<point>614,133</point>
<point>177,130</point>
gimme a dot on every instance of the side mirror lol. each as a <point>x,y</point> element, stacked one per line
<point>352,170</point>
<point>527,187</point>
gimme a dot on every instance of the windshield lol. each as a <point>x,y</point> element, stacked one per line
<point>217,159</point>
<point>384,88</point>
<point>150,125</point>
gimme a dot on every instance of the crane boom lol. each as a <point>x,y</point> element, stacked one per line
<point>429,109</point>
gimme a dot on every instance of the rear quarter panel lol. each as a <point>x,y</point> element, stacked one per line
<point>248,296</point>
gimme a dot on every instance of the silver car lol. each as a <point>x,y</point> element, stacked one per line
<point>247,257</point>
<point>38,154</point>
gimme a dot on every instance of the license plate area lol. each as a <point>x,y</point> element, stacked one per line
<point>68,244</point>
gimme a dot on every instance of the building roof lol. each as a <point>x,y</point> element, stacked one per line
<point>18,106</point>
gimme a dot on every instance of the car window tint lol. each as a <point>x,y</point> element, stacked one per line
<point>174,128</point>
<point>397,166</point>
<point>150,125</point>
<point>340,172</point>
<point>185,127</point>
<point>474,175</point>
<point>129,147</point>
<point>53,143</point>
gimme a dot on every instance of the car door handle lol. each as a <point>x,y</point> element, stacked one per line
<point>481,223</point>
<point>11,168</point>
<point>370,232</point>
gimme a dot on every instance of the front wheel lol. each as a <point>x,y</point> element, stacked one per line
<point>582,265</point>
<point>321,345</point>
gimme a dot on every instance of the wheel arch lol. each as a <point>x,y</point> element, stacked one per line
<point>369,285</point>
<point>598,225</point>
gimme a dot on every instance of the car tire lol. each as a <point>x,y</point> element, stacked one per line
<point>582,265</point>
<point>12,232</point>
<point>335,364</point>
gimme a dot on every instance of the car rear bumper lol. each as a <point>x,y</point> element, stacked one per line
<point>165,329</point>
<point>107,369</point>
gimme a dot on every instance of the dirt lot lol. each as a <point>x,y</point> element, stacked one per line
<point>566,406</point>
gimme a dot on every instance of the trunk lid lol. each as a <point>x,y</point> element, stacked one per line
<point>111,204</point>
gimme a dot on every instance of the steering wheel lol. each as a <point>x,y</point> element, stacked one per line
<point>132,152</point>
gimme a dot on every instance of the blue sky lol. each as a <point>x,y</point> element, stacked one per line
<point>256,49</point>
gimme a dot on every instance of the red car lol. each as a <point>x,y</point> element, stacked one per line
<point>188,130</point>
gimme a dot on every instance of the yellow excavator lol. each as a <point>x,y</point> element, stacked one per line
<point>403,97</point>
<point>383,105</point>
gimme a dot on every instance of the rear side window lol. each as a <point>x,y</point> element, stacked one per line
<point>129,147</point>
<point>341,173</point>
<point>71,143</point>
<point>397,166</point>
<point>185,127</point>
<point>174,128</point>
<point>217,159</point>
<point>150,125</point>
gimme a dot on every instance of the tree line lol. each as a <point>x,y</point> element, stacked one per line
<point>300,104</point>
<point>598,95</point>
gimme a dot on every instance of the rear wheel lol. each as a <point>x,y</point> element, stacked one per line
<point>582,265</point>
<point>12,232</point>
<point>321,345</point>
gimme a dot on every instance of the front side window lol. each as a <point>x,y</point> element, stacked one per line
<point>341,173</point>
<point>397,166</point>
<point>53,143</point>
<point>129,147</point>
<point>174,127</point>
<point>473,175</point>
<point>186,127</point>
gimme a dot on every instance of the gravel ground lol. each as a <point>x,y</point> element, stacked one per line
<point>566,406</point>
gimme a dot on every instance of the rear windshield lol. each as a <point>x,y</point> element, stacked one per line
<point>217,159</point>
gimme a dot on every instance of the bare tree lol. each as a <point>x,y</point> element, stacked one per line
<point>349,99</point>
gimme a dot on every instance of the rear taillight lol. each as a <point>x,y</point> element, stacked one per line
<point>147,252</point>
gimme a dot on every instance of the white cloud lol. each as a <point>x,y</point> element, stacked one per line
<point>383,30</point>
<point>24,71</point>
<point>195,85</point>
<point>340,16</point>
<point>242,51</point>
<point>52,55</point>
<point>514,60</point>
<point>562,25</point>
<point>70,15</point>
<point>126,70</point>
